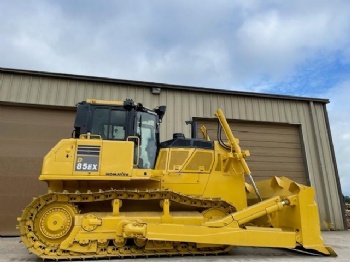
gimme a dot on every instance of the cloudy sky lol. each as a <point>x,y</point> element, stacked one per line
<point>299,47</point>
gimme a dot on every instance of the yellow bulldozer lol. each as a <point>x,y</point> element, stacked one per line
<point>115,190</point>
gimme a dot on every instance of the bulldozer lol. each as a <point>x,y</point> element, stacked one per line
<point>115,190</point>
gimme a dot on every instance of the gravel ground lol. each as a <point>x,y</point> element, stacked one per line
<point>12,250</point>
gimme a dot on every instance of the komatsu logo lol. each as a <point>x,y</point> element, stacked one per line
<point>117,174</point>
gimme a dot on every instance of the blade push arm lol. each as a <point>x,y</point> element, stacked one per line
<point>238,153</point>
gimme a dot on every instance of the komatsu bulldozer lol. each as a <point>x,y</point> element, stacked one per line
<point>115,190</point>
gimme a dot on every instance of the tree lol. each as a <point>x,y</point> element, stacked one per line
<point>347,199</point>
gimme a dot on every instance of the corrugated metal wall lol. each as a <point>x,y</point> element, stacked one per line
<point>182,105</point>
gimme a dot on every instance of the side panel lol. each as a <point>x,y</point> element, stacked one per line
<point>59,161</point>
<point>89,159</point>
<point>117,159</point>
<point>186,171</point>
<point>203,173</point>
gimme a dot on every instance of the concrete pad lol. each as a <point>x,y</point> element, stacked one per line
<point>12,250</point>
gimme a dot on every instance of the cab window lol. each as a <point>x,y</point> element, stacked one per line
<point>109,123</point>
<point>146,125</point>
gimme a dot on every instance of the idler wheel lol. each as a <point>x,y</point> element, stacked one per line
<point>54,222</point>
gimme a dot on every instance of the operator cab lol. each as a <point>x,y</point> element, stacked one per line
<point>122,121</point>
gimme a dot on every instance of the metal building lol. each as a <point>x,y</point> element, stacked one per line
<point>286,135</point>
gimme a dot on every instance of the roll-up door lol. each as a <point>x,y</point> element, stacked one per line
<point>26,135</point>
<point>276,149</point>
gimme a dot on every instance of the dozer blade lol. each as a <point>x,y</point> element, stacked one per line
<point>300,215</point>
<point>286,218</point>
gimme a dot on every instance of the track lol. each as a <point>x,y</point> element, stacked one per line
<point>43,238</point>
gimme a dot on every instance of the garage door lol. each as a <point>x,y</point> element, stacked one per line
<point>276,149</point>
<point>26,135</point>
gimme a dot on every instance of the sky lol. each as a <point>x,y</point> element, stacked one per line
<point>299,47</point>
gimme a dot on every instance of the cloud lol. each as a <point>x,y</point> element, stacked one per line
<point>285,47</point>
<point>277,39</point>
<point>233,44</point>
